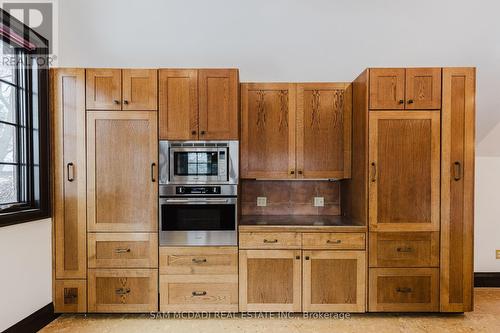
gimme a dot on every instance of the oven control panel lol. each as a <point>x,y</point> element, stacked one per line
<point>210,190</point>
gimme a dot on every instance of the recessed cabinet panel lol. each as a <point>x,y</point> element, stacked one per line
<point>404,171</point>
<point>423,88</point>
<point>387,88</point>
<point>218,104</point>
<point>122,171</point>
<point>457,189</point>
<point>334,281</point>
<point>323,130</point>
<point>270,280</point>
<point>178,112</point>
<point>69,203</point>
<point>140,88</point>
<point>104,89</point>
<point>70,296</point>
<point>268,131</point>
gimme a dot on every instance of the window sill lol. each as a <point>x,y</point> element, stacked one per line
<point>22,216</point>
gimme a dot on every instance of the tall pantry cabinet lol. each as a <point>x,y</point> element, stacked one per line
<point>413,171</point>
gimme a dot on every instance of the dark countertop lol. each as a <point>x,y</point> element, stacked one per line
<point>300,223</point>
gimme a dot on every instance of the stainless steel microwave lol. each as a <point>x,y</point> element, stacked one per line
<point>198,162</point>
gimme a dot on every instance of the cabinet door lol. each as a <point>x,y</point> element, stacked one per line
<point>387,88</point>
<point>457,189</point>
<point>404,171</point>
<point>270,280</point>
<point>423,88</point>
<point>140,88</point>
<point>268,130</point>
<point>218,105</point>
<point>70,296</point>
<point>104,89</point>
<point>323,130</point>
<point>178,112</point>
<point>121,171</point>
<point>334,281</point>
<point>68,138</point>
<point>123,290</point>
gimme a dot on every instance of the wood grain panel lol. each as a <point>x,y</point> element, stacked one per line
<point>198,260</point>
<point>457,189</point>
<point>122,157</point>
<point>70,296</point>
<point>122,290</point>
<point>218,104</point>
<point>123,250</point>
<point>212,293</point>
<point>178,97</point>
<point>404,290</point>
<point>387,88</point>
<point>268,131</point>
<point>404,249</point>
<point>404,171</point>
<point>104,89</point>
<point>68,156</point>
<point>423,88</point>
<point>323,130</point>
<point>140,89</point>
<point>334,281</point>
<point>270,280</point>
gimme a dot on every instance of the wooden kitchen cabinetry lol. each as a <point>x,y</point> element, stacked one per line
<point>69,196</point>
<point>405,88</point>
<point>122,153</point>
<point>295,131</point>
<point>198,104</point>
<point>121,89</point>
<point>302,271</point>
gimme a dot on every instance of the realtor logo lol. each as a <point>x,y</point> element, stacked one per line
<point>39,15</point>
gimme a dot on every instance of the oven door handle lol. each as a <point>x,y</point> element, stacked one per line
<point>196,201</point>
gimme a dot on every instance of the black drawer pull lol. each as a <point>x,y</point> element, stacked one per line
<point>199,261</point>
<point>403,290</point>
<point>404,249</point>
<point>122,250</point>
<point>267,241</point>
<point>122,291</point>
<point>70,171</point>
<point>337,241</point>
<point>199,293</point>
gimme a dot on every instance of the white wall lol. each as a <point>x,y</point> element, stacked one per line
<point>296,40</point>
<point>26,270</point>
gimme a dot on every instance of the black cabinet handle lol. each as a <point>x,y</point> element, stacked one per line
<point>193,132</point>
<point>297,257</point>
<point>337,241</point>
<point>300,172</point>
<point>199,261</point>
<point>267,241</point>
<point>401,101</point>
<point>307,257</point>
<point>410,101</point>
<point>404,249</point>
<point>122,291</point>
<point>125,102</point>
<point>292,172</point>
<point>457,170</point>
<point>202,132</point>
<point>199,293</point>
<point>116,101</point>
<point>70,171</point>
<point>403,290</point>
<point>153,172</point>
<point>374,172</point>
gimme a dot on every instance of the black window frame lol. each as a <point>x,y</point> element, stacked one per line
<point>36,201</point>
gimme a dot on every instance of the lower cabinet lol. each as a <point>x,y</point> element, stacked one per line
<point>270,280</point>
<point>122,290</point>
<point>70,296</point>
<point>404,290</point>
<point>334,281</point>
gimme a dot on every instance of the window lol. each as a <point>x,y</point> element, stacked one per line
<point>24,143</point>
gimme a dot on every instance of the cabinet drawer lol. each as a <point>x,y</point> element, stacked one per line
<point>270,240</point>
<point>198,260</point>
<point>199,293</point>
<point>404,249</point>
<point>404,290</point>
<point>341,241</point>
<point>122,250</point>
<point>122,290</point>
<point>70,296</point>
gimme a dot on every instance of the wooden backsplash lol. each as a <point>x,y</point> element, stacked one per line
<point>290,197</point>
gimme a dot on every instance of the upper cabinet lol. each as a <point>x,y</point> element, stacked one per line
<point>323,130</point>
<point>268,130</point>
<point>295,131</point>
<point>117,89</point>
<point>405,89</point>
<point>198,104</point>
